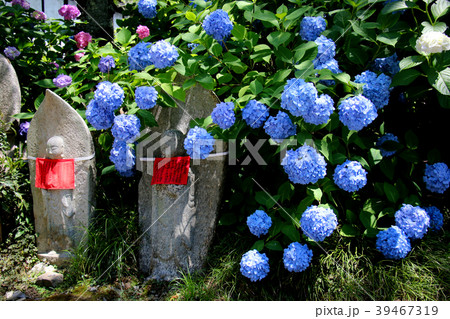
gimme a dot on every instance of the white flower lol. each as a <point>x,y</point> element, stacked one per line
<point>432,42</point>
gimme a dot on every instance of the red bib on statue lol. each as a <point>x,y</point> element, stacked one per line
<point>173,170</point>
<point>55,173</point>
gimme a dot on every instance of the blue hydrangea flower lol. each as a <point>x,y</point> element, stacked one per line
<point>106,64</point>
<point>297,96</point>
<point>101,118</point>
<point>139,56</point>
<point>376,88</point>
<point>163,54</point>
<point>437,177</point>
<point>304,165</point>
<point>126,127</point>
<point>147,8</point>
<point>389,65</point>
<point>23,128</point>
<point>319,112</point>
<point>11,52</point>
<point>62,81</point>
<point>109,96</point>
<point>350,176</point>
<point>198,143</point>
<point>413,220</point>
<point>259,223</point>
<point>393,243</point>
<point>218,25</point>
<point>223,115</point>
<point>297,257</point>
<point>357,112</point>
<point>318,222</point>
<point>255,114</point>
<point>386,137</point>
<point>146,97</point>
<point>254,265</point>
<point>333,66</point>
<point>436,217</point>
<point>312,27</point>
<point>280,127</point>
<point>123,157</point>
<point>326,50</point>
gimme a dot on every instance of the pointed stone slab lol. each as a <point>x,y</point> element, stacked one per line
<point>61,216</point>
<point>178,221</point>
<point>10,95</point>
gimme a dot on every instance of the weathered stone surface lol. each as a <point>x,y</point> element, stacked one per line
<point>61,216</point>
<point>50,279</point>
<point>15,295</point>
<point>9,92</point>
<point>178,221</point>
<point>39,269</point>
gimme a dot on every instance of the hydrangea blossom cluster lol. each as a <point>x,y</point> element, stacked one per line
<point>163,54</point>
<point>389,65</point>
<point>69,12</point>
<point>350,176</point>
<point>255,113</point>
<point>11,52</point>
<point>413,220</point>
<point>82,38</point>
<point>139,56</point>
<point>436,217</point>
<point>23,128</point>
<point>437,177</point>
<point>123,157</point>
<point>357,112</point>
<point>393,243</point>
<point>333,66</point>
<point>109,95</point>
<point>259,223</point>
<point>297,96</point>
<point>147,8</point>
<point>318,222</point>
<point>304,165</point>
<point>432,42</point>
<point>142,31</point>
<point>79,55</point>
<point>101,118</point>
<point>126,127</point>
<point>297,257</point>
<point>223,115</point>
<point>146,97</point>
<point>24,4</point>
<point>198,143</point>
<point>62,81</point>
<point>106,64</point>
<point>376,89</point>
<point>39,15</point>
<point>280,127</point>
<point>254,265</point>
<point>320,111</point>
<point>326,50</point>
<point>218,25</point>
<point>312,27</point>
<point>385,138</point>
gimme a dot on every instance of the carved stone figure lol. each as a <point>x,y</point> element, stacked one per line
<point>9,93</point>
<point>61,215</point>
<point>178,221</point>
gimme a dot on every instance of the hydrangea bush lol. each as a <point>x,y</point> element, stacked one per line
<point>325,83</point>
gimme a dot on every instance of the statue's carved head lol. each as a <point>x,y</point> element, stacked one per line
<point>173,143</point>
<point>55,147</point>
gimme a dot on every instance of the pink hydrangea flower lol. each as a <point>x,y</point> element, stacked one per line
<point>82,38</point>
<point>79,55</point>
<point>24,4</point>
<point>69,12</point>
<point>38,15</point>
<point>142,31</point>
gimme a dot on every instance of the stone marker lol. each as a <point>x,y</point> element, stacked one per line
<point>57,131</point>
<point>50,279</point>
<point>9,93</point>
<point>15,295</point>
<point>177,222</point>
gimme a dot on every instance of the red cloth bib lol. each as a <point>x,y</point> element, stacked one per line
<point>173,170</point>
<point>55,173</point>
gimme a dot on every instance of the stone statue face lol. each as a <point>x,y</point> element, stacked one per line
<point>173,143</point>
<point>55,147</point>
